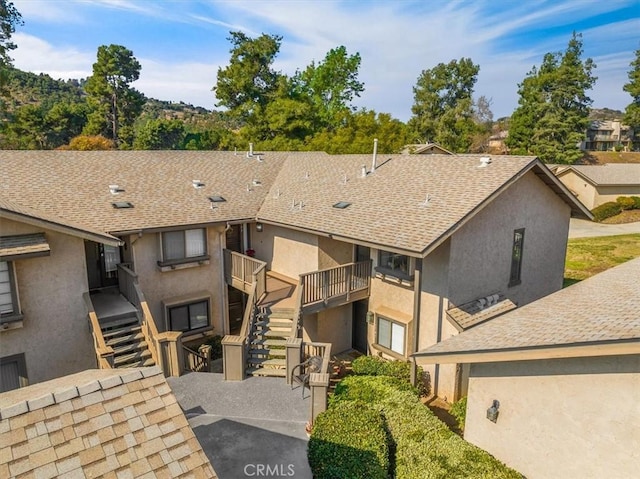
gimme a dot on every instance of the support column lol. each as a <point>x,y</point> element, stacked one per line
<point>293,350</point>
<point>170,355</point>
<point>234,358</point>
<point>319,384</point>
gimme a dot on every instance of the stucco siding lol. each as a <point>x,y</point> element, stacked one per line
<point>288,252</point>
<point>55,336</point>
<point>481,250</point>
<point>559,418</point>
<point>611,193</point>
<point>188,284</point>
<point>584,190</point>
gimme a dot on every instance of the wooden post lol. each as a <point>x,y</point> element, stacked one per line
<point>319,384</point>
<point>293,351</point>
<point>234,358</point>
<point>170,355</point>
<point>205,350</point>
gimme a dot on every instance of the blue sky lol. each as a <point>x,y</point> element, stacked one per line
<point>182,43</point>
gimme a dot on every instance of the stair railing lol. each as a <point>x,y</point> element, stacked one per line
<point>242,271</point>
<point>104,353</point>
<point>194,361</point>
<point>322,350</point>
<point>297,315</point>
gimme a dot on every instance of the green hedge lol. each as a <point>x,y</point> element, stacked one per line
<point>636,202</point>
<point>374,366</point>
<point>349,441</point>
<point>459,411</point>
<point>626,202</point>
<point>421,445</point>
<point>606,210</point>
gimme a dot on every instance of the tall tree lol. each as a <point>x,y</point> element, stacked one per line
<point>443,106</point>
<point>160,134</point>
<point>9,19</point>
<point>331,85</point>
<point>632,112</point>
<point>116,104</point>
<point>248,83</point>
<point>553,111</point>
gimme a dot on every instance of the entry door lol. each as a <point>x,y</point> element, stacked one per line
<point>101,264</point>
<point>359,322</point>
<point>234,238</point>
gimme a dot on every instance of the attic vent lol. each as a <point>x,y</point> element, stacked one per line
<point>341,205</point>
<point>217,199</point>
<point>122,205</point>
<point>484,162</point>
<point>115,189</point>
<point>256,182</point>
<point>197,184</point>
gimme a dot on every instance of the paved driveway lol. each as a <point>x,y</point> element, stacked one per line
<point>250,428</point>
<point>584,229</point>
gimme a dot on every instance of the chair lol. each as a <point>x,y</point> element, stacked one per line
<point>301,373</point>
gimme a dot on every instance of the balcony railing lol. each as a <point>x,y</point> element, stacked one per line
<point>242,271</point>
<point>329,287</point>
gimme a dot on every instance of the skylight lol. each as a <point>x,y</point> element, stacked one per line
<point>342,205</point>
<point>122,205</point>
<point>217,199</point>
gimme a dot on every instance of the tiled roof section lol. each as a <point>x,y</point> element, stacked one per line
<point>75,185</point>
<point>603,308</point>
<point>35,213</point>
<point>23,245</point>
<point>98,423</point>
<point>611,173</point>
<point>388,207</point>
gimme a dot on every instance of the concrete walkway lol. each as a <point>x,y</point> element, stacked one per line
<point>587,229</point>
<point>250,428</point>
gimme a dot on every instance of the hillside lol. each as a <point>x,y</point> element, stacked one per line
<point>602,157</point>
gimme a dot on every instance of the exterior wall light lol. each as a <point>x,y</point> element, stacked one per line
<point>370,317</point>
<point>259,227</point>
<point>492,412</point>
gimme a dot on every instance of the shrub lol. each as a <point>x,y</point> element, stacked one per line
<point>421,445</point>
<point>216,346</point>
<point>626,202</point>
<point>459,411</point>
<point>636,202</point>
<point>349,441</point>
<point>374,366</point>
<point>606,210</point>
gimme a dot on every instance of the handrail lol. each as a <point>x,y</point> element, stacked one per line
<point>248,312</point>
<point>326,284</point>
<point>126,279</point>
<point>259,278</point>
<point>297,315</point>
<point>194,361</point>
<point>100,346</point>
<point>241,271</point>
<point>318,349</point>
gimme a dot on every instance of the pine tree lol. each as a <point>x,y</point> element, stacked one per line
<point>632,112</point>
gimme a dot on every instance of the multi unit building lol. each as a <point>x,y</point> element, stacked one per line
<point>109,258</point>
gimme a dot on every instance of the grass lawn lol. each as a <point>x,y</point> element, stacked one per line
<point>589,256</point>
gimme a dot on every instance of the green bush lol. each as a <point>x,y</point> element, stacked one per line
<point>459,411</point>
<point>421,445</point>
<point>349,441</point>
<point>626,202</point>
<point>216,346</point>
<point>375,366</point>
<point>606,210</point>
<point>636,202</point>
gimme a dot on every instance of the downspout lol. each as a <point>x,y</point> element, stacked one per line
<point>224,304</point>
<point>417,298</point>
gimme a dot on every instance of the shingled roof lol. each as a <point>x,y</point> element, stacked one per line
<point>408,204</point>
<point>98,423</point>
<point>597,316</point>
<point>618,174</point>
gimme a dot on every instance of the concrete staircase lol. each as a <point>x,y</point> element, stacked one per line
<point>267,341</point>
<point>125,336</point>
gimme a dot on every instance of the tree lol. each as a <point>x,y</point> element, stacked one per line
<point>553,111</point>
<point>89,143</point>
<point>9,19</point>
<point>632,112</point>
<point>116,104</point>
<point>248,82</point>
<point>160,135</point>
<point>331,85</point>
<point>443,106</point>
<point>483,118</point>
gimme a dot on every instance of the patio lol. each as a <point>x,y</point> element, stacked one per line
<point>254,427</point>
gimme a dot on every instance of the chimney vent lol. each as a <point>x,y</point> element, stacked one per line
<point>375,155</point>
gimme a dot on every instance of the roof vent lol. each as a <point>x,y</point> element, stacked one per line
<point>484,162</point>
<point>259,158</point>
<point>115,189</point>
<point>364,171</point>
<point>256,182</point>
<point>121,205</point>
<point>426,201</point>
<point>197,184</point>
<point>341,205</point>
<point>216,199</point>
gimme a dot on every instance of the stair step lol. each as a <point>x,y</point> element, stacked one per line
<point>276,334</point>
<point>114,341</point>
<point>139,355</point>
<point>140,364</point>
<point>268,352</point>
<point>120,323</point>
<point>282,313</point>
<point>280,373</point>
<point>114,333</point>
<point>276,363</point>
<point>275,324</point>
<point>129,348</point>
<point>269,342</point>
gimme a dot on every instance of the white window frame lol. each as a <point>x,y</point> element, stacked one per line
<point>15,314</point>
<point>393,326</point>
<point>186,257</point>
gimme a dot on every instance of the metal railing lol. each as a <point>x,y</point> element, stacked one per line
<point>242,271</point>
<point>104,353</point>
<point>336,282</point>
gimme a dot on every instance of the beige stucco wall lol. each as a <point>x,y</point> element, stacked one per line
<point>55,336</point>
<point>333,253</point>
<point>611,193</point>
<point>286,251</point>
<point>329,326</point>
<point>481,250</point>
<point>559,418</point>
<point>583,190</point>
<point>188,284</point>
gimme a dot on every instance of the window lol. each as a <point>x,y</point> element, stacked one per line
<point>187,317</point>
<point>394,264</point>
<point>516,257</point>
<point>8,297</point>
<point>391,335</point>
<point>180,246</point>
<point>13,373</point>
